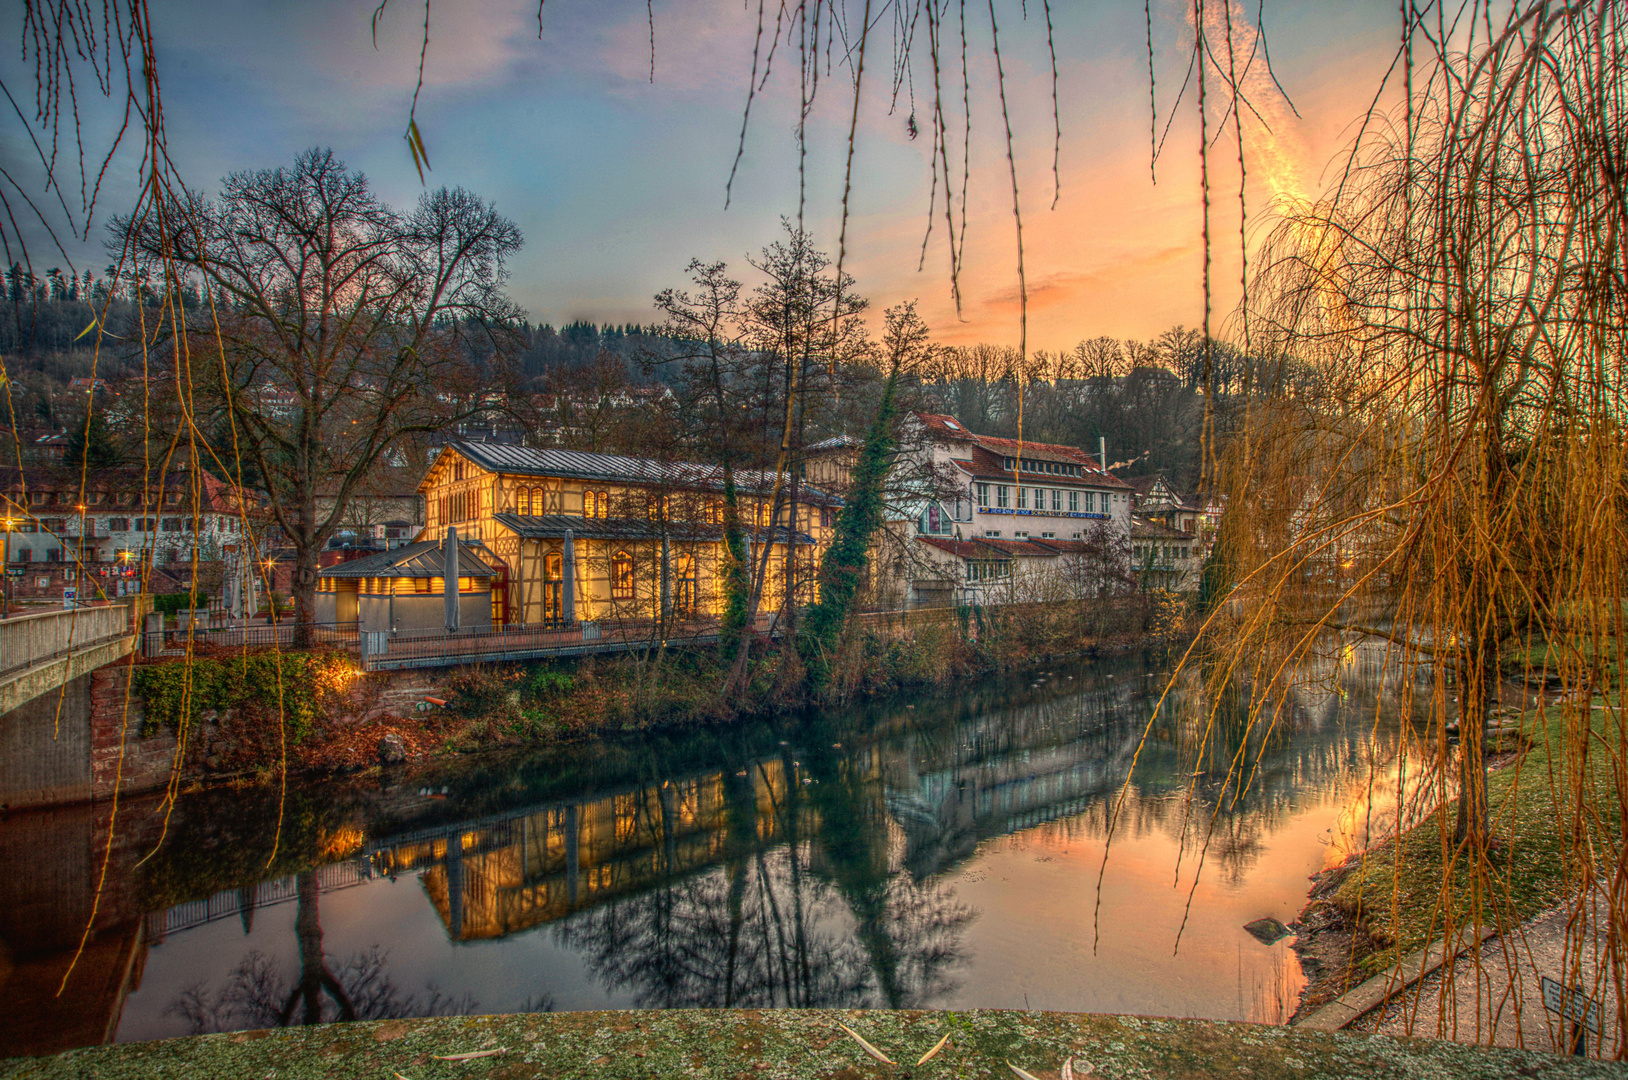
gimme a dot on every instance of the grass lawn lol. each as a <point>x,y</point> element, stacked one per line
<point>1405,892</point>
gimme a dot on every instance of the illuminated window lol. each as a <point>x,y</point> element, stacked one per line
<point>622,576</point>
<point>539,502</point>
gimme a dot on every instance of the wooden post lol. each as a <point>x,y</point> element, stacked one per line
<point>568,581</point>
<point>449,577</point>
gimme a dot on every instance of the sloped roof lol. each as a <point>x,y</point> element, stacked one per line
<point>1026,548</point>
<point>554,526</point>
<point>966,549</point>
<point>835,442</point>
<point>1142,529</point>
<point>620,468</point>
<point>420,560</point>
<point>214,495</point>
<point>1144,485</point>
<point>985,464</point>
<point>988,547</point>
<point>944,426</point>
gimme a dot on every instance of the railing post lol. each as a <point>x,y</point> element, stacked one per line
<point>374,643</point>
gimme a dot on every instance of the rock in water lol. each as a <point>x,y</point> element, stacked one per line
<point>1267,930</point>
<point>392,751</point>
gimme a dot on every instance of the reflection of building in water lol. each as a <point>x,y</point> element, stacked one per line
<point>497,877</point>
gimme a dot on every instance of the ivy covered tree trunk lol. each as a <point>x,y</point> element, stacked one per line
<point>842,570</point>
<point>737,584</point>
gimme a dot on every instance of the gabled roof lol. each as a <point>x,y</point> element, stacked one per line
<point>1144,487</point>
<point>420,560</point>
<point>620,469</point>
<point>554,526</point>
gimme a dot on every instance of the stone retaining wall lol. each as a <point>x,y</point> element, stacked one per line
<point>147,762</point>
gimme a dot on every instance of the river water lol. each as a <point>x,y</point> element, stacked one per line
<point>942,853</point>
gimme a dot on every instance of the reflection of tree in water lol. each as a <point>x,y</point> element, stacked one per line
<point>257,995</point>
<point>816,921</point>
<point>764,933</point>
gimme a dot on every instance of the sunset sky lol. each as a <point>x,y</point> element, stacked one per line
<point>616,182</point>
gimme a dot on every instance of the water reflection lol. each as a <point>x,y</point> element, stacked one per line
<point>946,855</point>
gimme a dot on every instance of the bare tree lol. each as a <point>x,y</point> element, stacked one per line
<point>338,327</point>
<point>710,362</point>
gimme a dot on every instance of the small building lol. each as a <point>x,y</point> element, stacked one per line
<point>1165,558</point>
<point>1159,501</point>
<point>405,589</point>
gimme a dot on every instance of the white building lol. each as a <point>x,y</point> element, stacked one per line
<point>987,519</point>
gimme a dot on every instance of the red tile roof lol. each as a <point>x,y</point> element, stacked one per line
<point>966,549</point>
<point>947,427</point>
<point>984,547</point>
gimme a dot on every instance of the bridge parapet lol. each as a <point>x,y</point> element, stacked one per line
<point>27,640</point>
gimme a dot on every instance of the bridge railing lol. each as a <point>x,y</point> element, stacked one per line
<point>26,640</point>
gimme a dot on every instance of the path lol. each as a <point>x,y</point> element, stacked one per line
<point>1497,998</point>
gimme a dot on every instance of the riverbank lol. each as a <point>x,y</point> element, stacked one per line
<point>796,1043</point>
<point>317,714</point>
<point>1365,915</point>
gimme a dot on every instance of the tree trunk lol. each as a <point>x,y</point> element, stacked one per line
<point>1477,688</point>
<point>305,592</point>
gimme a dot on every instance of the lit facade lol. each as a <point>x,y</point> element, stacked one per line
<point>576,536</point>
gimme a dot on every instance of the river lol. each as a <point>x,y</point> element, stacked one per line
<point>943,853</point>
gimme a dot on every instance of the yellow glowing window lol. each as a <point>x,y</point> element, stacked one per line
<point>622,576</point>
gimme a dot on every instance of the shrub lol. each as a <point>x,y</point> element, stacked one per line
<point>172,603</point>
<point>178,692</point>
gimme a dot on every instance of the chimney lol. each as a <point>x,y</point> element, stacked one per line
<point>1102,451</point>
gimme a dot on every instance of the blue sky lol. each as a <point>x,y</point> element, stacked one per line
<point>617,182</point>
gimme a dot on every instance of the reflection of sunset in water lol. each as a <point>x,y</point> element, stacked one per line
<point>1406,789</point>
<point>945,856</point>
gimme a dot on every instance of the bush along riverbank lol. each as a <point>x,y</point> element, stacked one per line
<point>1378,906</point>
<point>316,712</point>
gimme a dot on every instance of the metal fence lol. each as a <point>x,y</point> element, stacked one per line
<point>173,641</point>
<point>439,648</point>
<point>380,650</point>
<point>27,640</point>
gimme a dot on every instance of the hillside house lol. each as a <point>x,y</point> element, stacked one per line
<point>977,517</point>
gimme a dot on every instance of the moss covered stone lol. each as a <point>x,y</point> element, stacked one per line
<point>794,1043</point>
